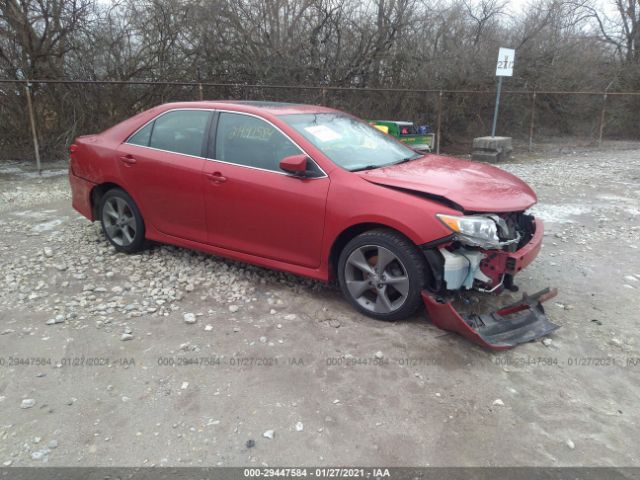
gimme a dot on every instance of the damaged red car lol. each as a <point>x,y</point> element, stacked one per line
<point>317,192</point>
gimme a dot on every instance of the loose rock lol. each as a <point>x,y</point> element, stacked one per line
<point>40,454</point>
<point>56,320</point>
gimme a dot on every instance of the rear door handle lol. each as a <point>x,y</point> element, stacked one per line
<point>216,177</point>
<point>128,159</point>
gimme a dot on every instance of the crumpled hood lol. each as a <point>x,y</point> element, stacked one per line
<point>476,187</point>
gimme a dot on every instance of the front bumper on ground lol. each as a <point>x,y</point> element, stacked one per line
<point>505,328</point>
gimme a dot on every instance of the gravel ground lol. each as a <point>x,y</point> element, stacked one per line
<point>173,357</point>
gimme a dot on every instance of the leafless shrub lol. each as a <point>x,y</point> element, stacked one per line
<point>393,44</point>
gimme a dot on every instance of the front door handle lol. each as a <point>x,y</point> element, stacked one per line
<point>216,177</point>
<point>128,159</point>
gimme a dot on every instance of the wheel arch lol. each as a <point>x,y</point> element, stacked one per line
<point>345,237</point>
<point>98,192</point>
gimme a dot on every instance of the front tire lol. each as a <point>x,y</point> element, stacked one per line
<point>382,274</point>
<point>121,221</point>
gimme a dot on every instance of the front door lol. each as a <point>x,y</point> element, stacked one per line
<point>254,207</point>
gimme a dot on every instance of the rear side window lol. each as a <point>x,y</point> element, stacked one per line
<point>181,131</point>
<point>142,136</point>
<point>246,140</point>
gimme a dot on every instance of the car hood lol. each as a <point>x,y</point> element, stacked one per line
<point>476,187</point>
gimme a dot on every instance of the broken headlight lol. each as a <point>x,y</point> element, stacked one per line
<point>473,230</point>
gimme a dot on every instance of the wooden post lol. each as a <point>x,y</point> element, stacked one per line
<point>200,91</point>
<point>439,122</point>
<point>602,114</point>
<point>533,110</point>
<point>34,133</point>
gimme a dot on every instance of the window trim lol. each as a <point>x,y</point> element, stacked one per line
<point>138,131</point>
<point>212,127</point>
<point>323,173</point>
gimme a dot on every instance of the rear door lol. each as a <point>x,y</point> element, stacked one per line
<point>163,162</point>
<point>254,207</point>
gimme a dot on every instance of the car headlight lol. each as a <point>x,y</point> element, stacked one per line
<point>473,230</point>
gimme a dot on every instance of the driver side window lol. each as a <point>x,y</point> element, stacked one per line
<point>252,142</point>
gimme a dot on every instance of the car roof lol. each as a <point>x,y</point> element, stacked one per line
<point>256,106</point>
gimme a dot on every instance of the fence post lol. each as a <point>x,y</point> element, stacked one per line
<point>439,121</point>
<point>200,93</point>
<point>533,110</point>
<point>602,114</point>
<point>32,121</point>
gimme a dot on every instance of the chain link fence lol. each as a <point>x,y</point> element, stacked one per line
<point>40,118</point>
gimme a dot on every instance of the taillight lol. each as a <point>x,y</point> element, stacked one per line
<point>72,148</point>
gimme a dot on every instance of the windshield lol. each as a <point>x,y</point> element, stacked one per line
<point>349,142</point>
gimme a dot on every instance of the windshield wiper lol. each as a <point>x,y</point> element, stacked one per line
<point>367,167</point>
<point>408,159</point>
<point>371,167</point>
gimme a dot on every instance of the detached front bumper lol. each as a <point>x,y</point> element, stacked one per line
<point>489,271</point>
<point>505,328</point>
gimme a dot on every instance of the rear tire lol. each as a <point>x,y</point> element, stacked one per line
<point>121,221</point>
<point>382,274</point>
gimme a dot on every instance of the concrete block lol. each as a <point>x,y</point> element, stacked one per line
<point>492,149</point>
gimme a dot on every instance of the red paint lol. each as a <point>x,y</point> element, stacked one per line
<point>476,187</point>
<point>500,261</point>
<point>80,193</point>
<point>280,220</point>
<point>296,164</point>
<point>445,317</point>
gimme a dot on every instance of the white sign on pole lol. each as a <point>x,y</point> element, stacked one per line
<point>506,59</point>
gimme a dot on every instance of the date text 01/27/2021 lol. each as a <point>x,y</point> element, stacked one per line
<point>324,472</point>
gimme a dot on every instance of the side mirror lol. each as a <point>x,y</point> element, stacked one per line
<point>295,164</point>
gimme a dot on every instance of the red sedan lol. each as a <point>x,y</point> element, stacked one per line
<point>309,190</point>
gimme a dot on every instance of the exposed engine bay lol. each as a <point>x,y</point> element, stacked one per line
<point>477,255</point>
<point>484,253</point>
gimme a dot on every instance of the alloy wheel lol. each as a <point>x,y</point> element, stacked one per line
<point>376,278</point>
<point>119,221</point>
